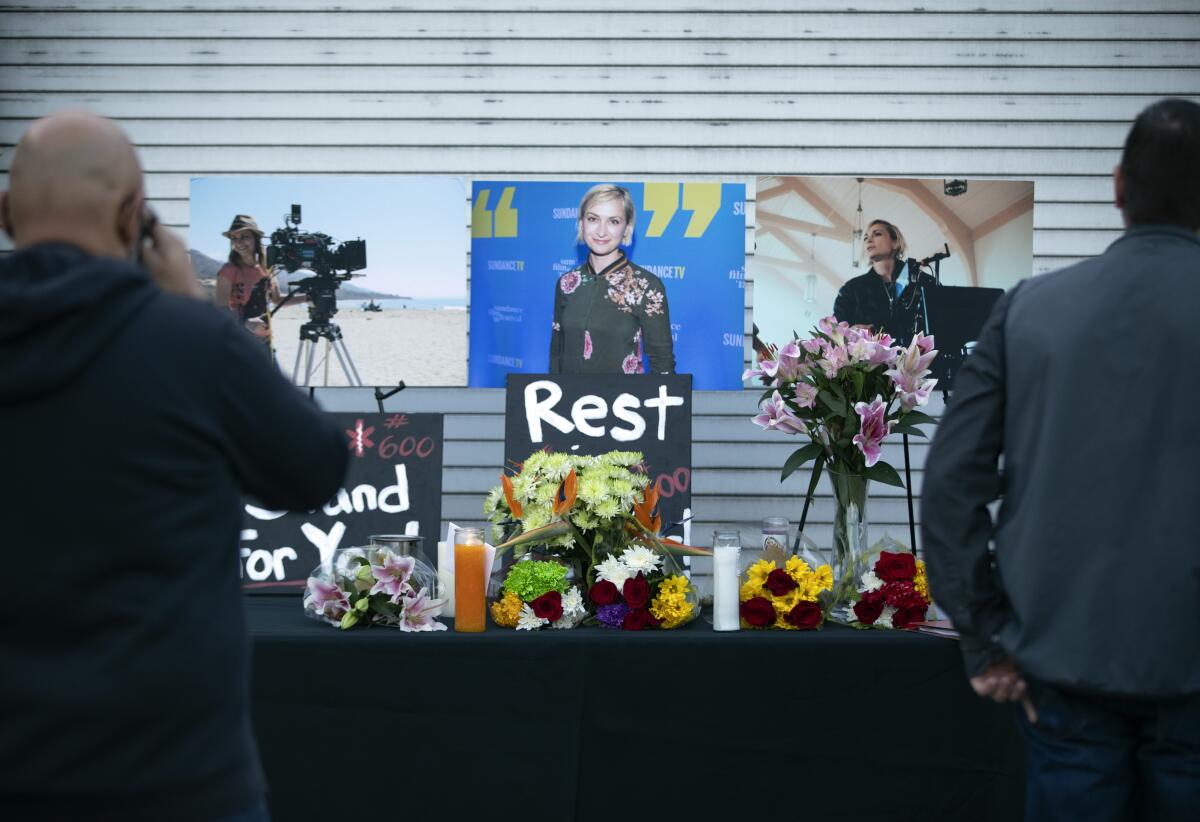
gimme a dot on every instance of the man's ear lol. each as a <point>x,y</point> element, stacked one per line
<point>1118,187</point>
<point>129,219</point>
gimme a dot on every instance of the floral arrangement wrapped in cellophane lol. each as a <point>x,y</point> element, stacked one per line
<point>597,514</point>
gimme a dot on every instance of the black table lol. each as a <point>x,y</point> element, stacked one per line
<point>592,724</point>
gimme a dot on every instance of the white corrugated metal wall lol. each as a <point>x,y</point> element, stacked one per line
<point>703,89</point>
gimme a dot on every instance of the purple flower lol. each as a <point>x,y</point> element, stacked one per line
<point>391,577</point>
<point>812,346</point>
<point>611,616</point>
<point>326,599</point>
<point>790,363</point>
<point>632,364</point>
<point>873,428</point>
<point>569,282</point>
<point>909,370</point>
<point>806,394</point>
<point>587,345</point>
<point>836,358</point>
<point>776,416</point>
<point>420,613</point>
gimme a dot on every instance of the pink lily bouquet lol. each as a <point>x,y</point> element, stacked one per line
<point>846,389</point>
<point>374,586</point>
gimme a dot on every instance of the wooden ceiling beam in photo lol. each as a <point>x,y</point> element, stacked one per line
<point>803,262</point>
<point>1005,217</point>
<point>792,224</point>
<point>957,233</point>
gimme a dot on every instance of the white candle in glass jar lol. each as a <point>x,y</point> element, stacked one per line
<point>725,588</point>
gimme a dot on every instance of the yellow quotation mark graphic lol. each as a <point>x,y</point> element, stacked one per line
<point>660,199</point>
<point>504,222</point>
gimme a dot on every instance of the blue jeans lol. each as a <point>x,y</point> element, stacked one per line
<point>256,814</point>
<point>1095,759</point>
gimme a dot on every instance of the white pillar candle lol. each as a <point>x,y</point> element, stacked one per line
<point>725,588</point>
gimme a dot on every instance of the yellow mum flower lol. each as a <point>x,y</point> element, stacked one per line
<point>920,580</point>
<point>797,568</point>
<point>672,608</point>
<point>758,572</point>
<point>677,584</point>
<point>823,577</point>
<point>507,610</point>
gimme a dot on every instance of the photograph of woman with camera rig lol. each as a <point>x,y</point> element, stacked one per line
<point>244,286</point>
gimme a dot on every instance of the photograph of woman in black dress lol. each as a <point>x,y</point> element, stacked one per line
<point>608,312</point>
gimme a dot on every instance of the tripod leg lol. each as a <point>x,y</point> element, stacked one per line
<point>308,362</point>
<point>296,367</point>
<point>343,355</point>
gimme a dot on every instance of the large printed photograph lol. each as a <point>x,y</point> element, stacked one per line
<point>343,280</point>
<point>607,278</point>
<point>899,255</point>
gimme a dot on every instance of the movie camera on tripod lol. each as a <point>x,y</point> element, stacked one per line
<point>325,264</point>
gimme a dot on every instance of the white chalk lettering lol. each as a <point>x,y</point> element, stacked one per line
<point>364,498</point>
<point>260,565</point>
<point>662,403</point>
<point>338,505</point>
<point>539,411</point>
<point>587,408</point>
<point>263,513</point>
<point>622,409</point>
<point>399,491</point>
<point>326,543</point>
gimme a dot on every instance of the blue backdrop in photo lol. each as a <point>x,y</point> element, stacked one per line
<point>691,235</point>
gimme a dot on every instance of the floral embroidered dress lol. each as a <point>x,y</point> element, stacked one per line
<point>605,321</point>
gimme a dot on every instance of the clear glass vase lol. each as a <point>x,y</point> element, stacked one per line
<point>848,554</point>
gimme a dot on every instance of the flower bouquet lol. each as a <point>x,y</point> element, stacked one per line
<point>374,586</point>
<point>846,389</point>
<point>894,593</point>
<point>634,592</point>
<point>535,594</point>
<point>786,597</point>
<point>591,512</point>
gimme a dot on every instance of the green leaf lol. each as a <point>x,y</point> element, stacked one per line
<point>857,377</point>
<point>380,606</point>
<point>918,418</point>
<point>882,472</point>
<point>905,428</point>
<point>838,407</point>
<point>798,458</point>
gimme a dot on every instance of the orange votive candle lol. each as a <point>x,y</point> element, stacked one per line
<point>470,606</point>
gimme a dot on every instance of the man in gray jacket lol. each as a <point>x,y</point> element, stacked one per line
<point>1082,599</point>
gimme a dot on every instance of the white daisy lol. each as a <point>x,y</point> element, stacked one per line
<point>871,582</point>
<point>640,559</point>
<point>613,570</point>
<point>572,603</point>
<point>528,620</point>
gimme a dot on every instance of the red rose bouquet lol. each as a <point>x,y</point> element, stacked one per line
<point>636,590</point>
<point>784,597</point>
<point>894,593</point>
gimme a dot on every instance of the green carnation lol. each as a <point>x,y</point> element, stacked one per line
<point>529,580</point>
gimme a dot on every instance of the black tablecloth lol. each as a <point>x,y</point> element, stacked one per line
<point>593,724</point>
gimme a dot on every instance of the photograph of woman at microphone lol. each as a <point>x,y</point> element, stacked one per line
<point>880,298</point>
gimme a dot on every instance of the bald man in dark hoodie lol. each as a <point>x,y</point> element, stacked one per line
<point>133,417</point>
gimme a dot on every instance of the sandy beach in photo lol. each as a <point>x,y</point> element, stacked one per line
<point>419,346</point>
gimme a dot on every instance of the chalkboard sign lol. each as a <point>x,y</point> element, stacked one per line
<point>394,481</point>
<point>592,414</point>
